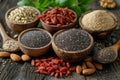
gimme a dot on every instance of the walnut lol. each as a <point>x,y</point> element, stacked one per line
<point>108,3</point>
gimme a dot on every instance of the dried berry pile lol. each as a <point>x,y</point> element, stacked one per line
<point>58,16</point>
<point>72,40</point>
<point>35,39</point>
<point>53,66</point>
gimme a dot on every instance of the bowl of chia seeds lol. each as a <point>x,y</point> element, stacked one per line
<point>72,45</point>
<point>35,41</point>
<point>22,17</point>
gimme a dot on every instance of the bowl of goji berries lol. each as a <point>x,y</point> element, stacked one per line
<point>57,19</point>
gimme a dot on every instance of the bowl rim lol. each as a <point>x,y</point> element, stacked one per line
<point>37,29</point>
<point>74,21</point>
<point>77,51</point>
<point>110,13</point>
<point>13,8</point>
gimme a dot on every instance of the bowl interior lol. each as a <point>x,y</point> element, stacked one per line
<point>8,12</point>
<point>78,51</point>
<point>54,26</point>
<point>110,13</point>
<point>31,29</point>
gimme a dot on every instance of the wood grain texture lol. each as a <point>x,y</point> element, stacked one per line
<point>10,70</point>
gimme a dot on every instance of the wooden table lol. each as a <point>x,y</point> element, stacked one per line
<point>10,70</point>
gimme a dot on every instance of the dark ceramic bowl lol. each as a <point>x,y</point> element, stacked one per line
<point>72,56</point>
<point>20,27</point>
<point>100,33</point>
<point>35,52</point>
<point>55,28</point>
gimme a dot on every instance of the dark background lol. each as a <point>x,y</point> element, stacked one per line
<point>10,70</point>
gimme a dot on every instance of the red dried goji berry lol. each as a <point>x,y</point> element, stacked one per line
<point>37,71</point>
<point>52,74</point>
<point>63,64</point>
<point>37,64</point>
<point>41,68</point>
<point>56,61</point>
<point>62,69</point>
<point>44,72</point>
<point>61,75</point>
<point>68,73</point>
<point>68,64</point>
<point>37,60</point>
<point>33,63</point>
<point>56,74</point>
<point>72,69</point>
<point>55,66</point>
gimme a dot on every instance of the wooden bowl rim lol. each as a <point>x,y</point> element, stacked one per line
<point>92,31</point>
<point>78,51</point>
<point>13,8</point>
<point>62,25</point>
<point>37,29</point>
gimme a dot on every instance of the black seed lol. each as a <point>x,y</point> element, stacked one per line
<point>105,55</point>
<point>72,40</point>
<point>35,39</point>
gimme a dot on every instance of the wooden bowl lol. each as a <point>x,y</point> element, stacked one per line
<point>100,33</point>
<point>72,56</point>
<point>34,52</point>
<point>55,28</point>
<point>20,27</point>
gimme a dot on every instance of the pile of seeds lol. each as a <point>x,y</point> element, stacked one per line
<point>10,46</point>
<point>22,15</point>
<point>35,39</point>
<point>72,40</point>
<point>58,16</point>
<point>98,20</point>
<point>53,66</point>
<point>105,55</point>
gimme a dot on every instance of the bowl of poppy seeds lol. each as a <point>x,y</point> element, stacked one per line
<point>72,44</point>
<point>35,41</point>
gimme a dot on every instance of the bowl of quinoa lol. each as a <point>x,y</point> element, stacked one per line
<point>99,23</point>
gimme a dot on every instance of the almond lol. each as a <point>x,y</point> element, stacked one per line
<point>90,65</point>
<point>25,57</point>
<point>78,69</point>
<point>4,54</point>
<point>88,71</point>
<point>98,66</point>
<point>15,57</point>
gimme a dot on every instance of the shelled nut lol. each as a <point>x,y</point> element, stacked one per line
<point>88,67</point>
<point>108,3</point>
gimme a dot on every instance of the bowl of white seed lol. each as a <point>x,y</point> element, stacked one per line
<point>21,18</point>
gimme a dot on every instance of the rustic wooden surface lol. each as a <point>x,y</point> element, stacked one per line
<point>10,70</point>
